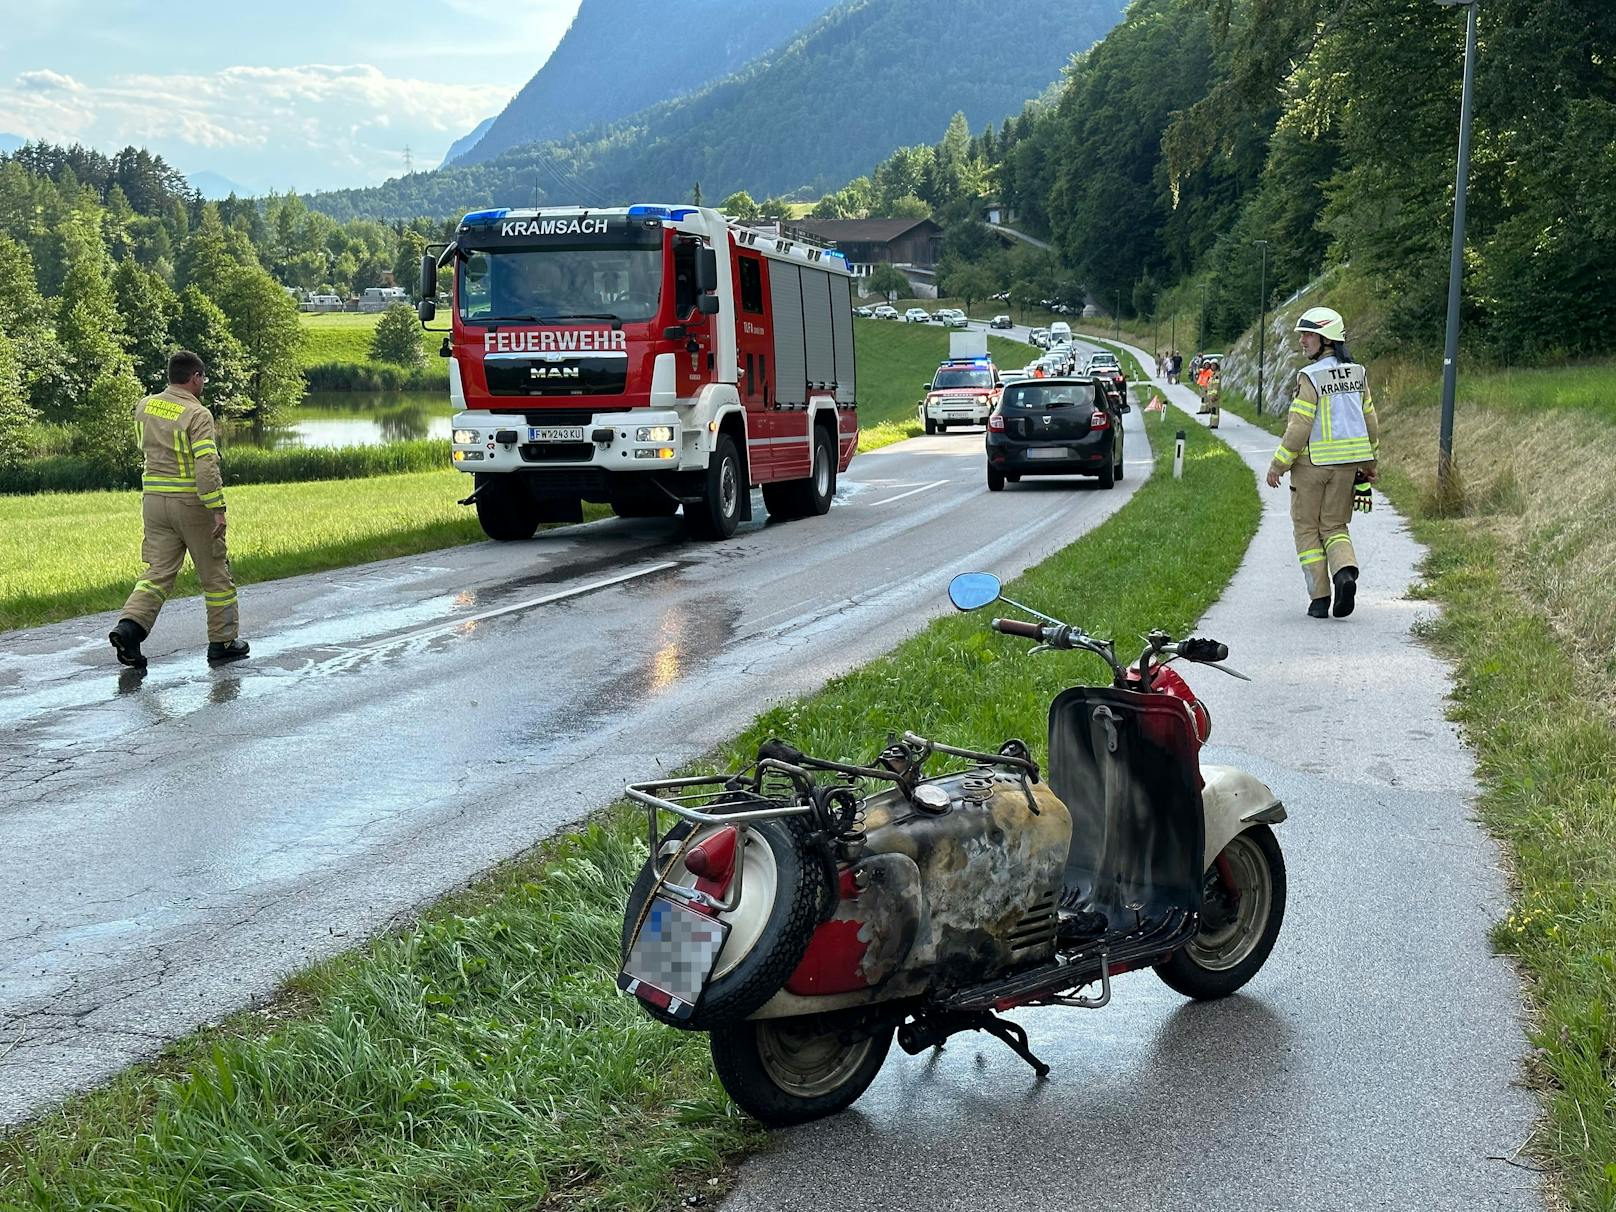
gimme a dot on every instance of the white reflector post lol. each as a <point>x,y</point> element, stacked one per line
<point>1178,457</point>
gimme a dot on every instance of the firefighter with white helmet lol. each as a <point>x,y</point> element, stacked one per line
<point>1329,450</point>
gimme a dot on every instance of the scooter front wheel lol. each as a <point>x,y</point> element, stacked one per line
<point>1238,925</point>
<point>784,1071</point>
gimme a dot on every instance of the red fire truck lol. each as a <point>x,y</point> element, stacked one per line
<point>648,358</point>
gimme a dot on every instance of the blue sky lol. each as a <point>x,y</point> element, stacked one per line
<point>292,94</point>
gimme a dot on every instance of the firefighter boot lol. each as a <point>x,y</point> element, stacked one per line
<point>125,639</point>
<point>1318,608</point>
<point>220,654</point>
<point>1346,590</point>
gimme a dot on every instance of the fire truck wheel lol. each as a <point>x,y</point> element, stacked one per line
<point>718,512</point>
<point>820,487</point>
<point>784,892</point>
<point>506,509</point>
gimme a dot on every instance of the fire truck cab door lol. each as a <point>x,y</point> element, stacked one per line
<point>754,345</point>
<point>693,361</point>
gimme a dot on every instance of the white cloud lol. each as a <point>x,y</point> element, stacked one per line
<point>313,126</point>
<point>45,81</point>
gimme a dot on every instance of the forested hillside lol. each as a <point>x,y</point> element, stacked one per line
<point>867,76</point>
<point>621,56</point>
<point>1329,128</point>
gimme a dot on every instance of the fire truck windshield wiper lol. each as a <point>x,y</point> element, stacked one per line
<point>585,315</point>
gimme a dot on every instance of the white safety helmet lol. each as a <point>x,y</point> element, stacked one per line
<point>1325,321</point>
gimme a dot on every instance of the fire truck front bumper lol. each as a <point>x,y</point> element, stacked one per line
<point>643,440</point>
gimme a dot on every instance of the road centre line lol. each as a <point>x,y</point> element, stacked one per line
<point>577,591</point>
<point>910,493</point>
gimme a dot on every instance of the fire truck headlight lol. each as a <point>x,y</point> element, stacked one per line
<point>654,433</point>
<point>655,452</point>
<point>465,437</point>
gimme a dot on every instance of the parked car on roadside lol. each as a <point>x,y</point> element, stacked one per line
<point>916,315</point>
<point>885,311</point>
<point>866,312</point>
<point>1002,321</point>
<point>951,317</point>
<point>1055,426</point>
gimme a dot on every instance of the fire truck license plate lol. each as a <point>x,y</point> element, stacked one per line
<point>555,433</point>
<point>673,954</point>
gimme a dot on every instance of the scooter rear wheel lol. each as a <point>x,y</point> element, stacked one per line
<point>1233,945</point>
<point>784,1071</point>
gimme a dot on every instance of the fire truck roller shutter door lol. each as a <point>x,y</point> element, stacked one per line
<point>816,327</point>
<point>841,310</point>
<point>790,358</point>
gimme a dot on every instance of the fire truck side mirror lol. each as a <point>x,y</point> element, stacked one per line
<point>429,279</point>
<point>707,305</point>
<point>427,310</point>
<point>706,273</point>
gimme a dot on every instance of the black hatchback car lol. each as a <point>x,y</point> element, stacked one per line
<point>1055,427</point>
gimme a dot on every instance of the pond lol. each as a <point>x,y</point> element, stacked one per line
<point>350,418</point>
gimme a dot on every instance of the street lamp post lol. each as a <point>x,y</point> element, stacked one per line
<point>1118,317</point>
<point>1450,353</point>
<point>1262,323</point>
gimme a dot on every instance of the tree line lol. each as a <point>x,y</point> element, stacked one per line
<point>108,263</point>
<point>1328,129</point>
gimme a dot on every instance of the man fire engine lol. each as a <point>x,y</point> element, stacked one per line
<point>645,357</point>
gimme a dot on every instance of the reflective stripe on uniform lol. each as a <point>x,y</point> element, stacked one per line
<point>1304,408</point>
<point>1284,457</point>
<point>203,448</point>
<point>1341,450</point>
<point>1336,538</point>
<point>175,484</point>
<point>1315,556</point>
<point>225,597</point>
<point>214,499</point>
<point>148,587</point>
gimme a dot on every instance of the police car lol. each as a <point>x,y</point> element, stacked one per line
<point>962,392</point>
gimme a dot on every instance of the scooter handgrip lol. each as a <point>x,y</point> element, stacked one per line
<point>1033,631</point>
<point>1208,651</point>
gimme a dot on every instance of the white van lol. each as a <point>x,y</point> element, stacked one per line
<point>1059,331</point>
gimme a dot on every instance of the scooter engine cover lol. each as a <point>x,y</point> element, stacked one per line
<point>1126,765</point>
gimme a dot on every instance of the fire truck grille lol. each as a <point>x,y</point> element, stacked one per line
<point>582,376</point>
<point>560,416</point>
<point>556,452</point>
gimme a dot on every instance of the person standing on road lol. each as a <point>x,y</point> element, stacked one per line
<point>1330,444</point>
<point>182,508</point>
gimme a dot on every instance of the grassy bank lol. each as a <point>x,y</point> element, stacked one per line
<point>893,360</point>
<point>69,554</point>
<point>1522,570</point>
<point>482,1057</point>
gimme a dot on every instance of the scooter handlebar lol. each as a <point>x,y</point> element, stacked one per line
<point>1032,631</point>
<point>1203,650</point>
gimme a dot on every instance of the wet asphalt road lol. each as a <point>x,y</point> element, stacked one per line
<point>176,844</point>
<point>1373,1063</point>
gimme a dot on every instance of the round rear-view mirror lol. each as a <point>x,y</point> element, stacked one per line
<point>973,590</point>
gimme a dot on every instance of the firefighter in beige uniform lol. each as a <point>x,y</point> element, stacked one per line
<point>1329,449</point>
<point>182,507</point>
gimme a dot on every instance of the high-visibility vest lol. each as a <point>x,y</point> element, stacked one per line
<point>1340,433</point>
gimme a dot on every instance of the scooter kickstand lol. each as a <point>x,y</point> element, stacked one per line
<point>1013,1036</point>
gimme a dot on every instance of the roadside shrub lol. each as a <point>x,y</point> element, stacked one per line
<point>398,337</point>
<point>242,465</point>
<point>363,376</point>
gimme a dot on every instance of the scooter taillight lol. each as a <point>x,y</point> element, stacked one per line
<point>713,859</point>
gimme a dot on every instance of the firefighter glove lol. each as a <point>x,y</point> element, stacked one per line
<point>1362,501</point>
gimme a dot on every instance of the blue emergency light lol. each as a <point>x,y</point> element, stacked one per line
<point>487,216</point>
<point>641,210</point>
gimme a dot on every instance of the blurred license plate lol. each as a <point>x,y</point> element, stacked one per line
<point>1049,452</point>
<point>556,433</point>
<point>672,956</point>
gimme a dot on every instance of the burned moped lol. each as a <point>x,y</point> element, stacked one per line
<point>806,912</point>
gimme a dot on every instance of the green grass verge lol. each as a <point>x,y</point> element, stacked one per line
<point>893,360</point>
<point>1546,754</point>
<point>67,554</point>
<point>483,1058</point>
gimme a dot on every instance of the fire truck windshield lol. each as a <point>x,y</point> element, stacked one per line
<point>560,283</point>
<point>962,378</point>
